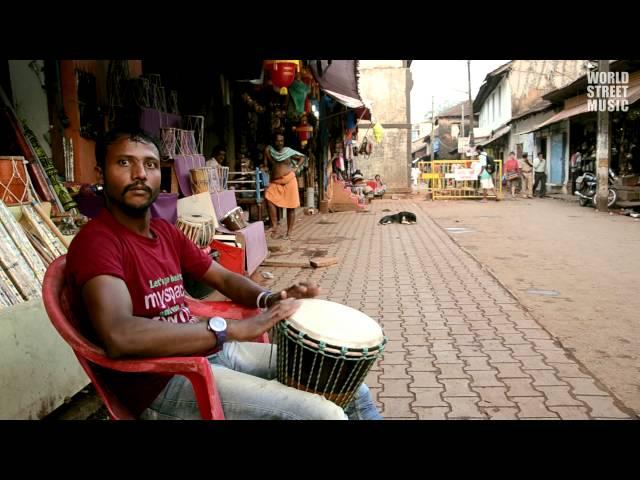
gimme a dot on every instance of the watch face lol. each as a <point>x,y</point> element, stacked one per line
<point>218,324</point>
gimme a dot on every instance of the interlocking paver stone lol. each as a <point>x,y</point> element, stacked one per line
<point>559,396</point>
<point>398,409</point>
<point>545,378</point>
<point>533,408</point>
<point>584,386</point>
<point>478,363</point>
<point>484,378</point>
<point>533,363</point>
<point>422,351</point>
<point>425,380</point>
<point>429,397</point>
<point>431,413</point>
<point>510,370</point>
<point>571,413</point>
<point>447,356</point>
<point>568,370</point>
<point>493,396</point>
<point>393,358</point>
<point>451,370</point>
<point>501,413</point>
<point>456,388</point>
<point>395,388</point>
<point>463,408</point>
<point>602,407</point>
<point>422,365</point>
<point>442,345</point>
<point>521,387</point>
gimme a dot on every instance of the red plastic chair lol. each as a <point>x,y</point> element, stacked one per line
<point>116,381</point>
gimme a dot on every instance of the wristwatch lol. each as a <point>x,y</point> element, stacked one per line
<point>218,326</point>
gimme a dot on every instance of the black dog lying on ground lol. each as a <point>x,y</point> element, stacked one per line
<point>407,218</point>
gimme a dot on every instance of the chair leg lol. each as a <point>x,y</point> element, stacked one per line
<point>207,396</point>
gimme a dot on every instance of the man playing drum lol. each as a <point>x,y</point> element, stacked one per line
<point>127,270</point>
<point>282,191</point>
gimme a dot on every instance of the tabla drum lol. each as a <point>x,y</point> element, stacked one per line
<point>234,219</point>
<point>14,181</point>
<point>327,348</point>
<point>200,229</point>
<point>204,179</point>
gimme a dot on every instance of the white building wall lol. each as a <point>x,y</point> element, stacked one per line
<point>496,109</point>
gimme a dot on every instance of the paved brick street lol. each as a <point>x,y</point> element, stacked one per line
<point>460,346</point>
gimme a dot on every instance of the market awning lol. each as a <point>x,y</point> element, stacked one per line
<point>564,114</point>
<point>338,79</point>
<point>496,135</point>
<point>633,95</point>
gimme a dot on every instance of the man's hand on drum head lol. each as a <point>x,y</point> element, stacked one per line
<point>247,330</point>
<point>299,290</point>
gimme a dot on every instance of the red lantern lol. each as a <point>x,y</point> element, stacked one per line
<point>283,73</point>
<point>304,131</point>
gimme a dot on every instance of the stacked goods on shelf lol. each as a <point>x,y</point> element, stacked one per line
<point>16,267</point>
<point>21,241</point>
<point>48,235</point>
<point>27,247</point>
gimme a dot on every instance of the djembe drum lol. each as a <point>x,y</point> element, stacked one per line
<point>200,229</point>
<point>204,179</point>
<point>327,348</point>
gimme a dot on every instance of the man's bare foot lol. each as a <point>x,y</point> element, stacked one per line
<point>275,234</point>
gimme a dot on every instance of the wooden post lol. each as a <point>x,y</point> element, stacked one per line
<point>603,150</point>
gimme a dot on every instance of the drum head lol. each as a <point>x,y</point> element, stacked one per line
<point>336,324</point>
<point>197,218</point>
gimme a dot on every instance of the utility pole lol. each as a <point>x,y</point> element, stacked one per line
<point>471,142</point>
<point>603,150</point>
<point>462,124</point>
<point>433,121</point>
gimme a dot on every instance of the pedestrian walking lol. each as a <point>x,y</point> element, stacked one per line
<point>512,173</point>
<point>540,171</point>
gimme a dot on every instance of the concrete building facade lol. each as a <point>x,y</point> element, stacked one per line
<point>385,85</point>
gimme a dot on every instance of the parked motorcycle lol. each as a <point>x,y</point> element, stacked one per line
<point>587,189</point>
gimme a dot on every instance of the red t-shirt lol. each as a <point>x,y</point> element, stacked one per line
<point>152,268</point>
<point>511,165</point>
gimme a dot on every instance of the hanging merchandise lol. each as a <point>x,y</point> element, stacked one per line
<point>283,73</point>
<point>304,131</point>
<point>298,92</point>
<point>61,191</point>
<point>351,120</point>
<point>377,132</point>
<point>366,148</point>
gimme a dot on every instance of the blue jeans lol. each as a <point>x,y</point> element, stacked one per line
<point>249,391</point>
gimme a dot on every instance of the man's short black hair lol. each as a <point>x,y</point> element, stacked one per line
<point>134,134</point>
<point>217,149</point>
<point>479,148</point>
<point>525,155</point>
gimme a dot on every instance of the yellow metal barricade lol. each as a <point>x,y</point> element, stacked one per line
<point>455,179</point>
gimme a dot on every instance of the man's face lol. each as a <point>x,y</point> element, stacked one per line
<point>221,156</point>
<point>132,176</point>
<point>279,142</point>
